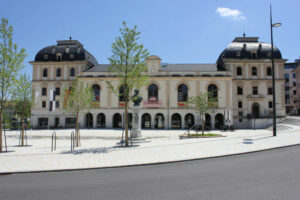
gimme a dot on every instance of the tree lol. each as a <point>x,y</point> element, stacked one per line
<point>203,103</point>
<point>22,97</point>
<point>76,101</point>
<point>11,62</point>
<point>128,64</point>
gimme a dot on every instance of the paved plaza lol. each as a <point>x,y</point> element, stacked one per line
<point>100,148</point>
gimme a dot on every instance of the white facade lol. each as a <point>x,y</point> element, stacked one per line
<point>167,106</point>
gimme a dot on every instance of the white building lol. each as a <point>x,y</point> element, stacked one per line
<point>241,79</point>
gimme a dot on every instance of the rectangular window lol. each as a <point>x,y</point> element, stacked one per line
<point>294,84</point>
<point>57,91</point>
<point>270,91</point>
<point>270,104</point>
<point>294,92</point>
<point>43,104</point>
<point>240,104</point>
<point>287,78</point>
<point>254,91</point>
<point>44,91</point>
<point>240,90</point>
<point>294,75</point>
<point>57,104</point>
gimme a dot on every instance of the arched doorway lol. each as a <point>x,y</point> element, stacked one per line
<point>189,121</point>
<point>100,120</point>
<point>219,121</point>
<point>176,121</point>
<point>255,110</point>
<point>207,121</point>
<point>117,121</point>
<point>89,120</point>
<point>129,120</point>
<point>146,120</point>
<point>159,121</point>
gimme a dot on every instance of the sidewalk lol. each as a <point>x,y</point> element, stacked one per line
<point>98,148</point>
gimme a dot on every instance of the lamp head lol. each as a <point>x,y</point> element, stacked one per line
<point>276,25</point>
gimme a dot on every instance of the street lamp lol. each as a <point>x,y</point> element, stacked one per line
<point>273,71</point>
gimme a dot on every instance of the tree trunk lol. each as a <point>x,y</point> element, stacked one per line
<point>202,124</point>
<point>126,123</point>
<point>77,131</point>
<point>1,131</point>
<point>22,137</point>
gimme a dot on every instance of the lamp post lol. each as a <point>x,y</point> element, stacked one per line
<point>273,71</point>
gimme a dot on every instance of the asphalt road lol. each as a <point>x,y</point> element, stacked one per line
<point>273,174</point>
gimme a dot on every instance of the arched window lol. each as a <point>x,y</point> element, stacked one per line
<point>255,110</point>
<point>72,71</point>
<point>159,121</point>
<point>189,121</point>
<point>176,121</point>
<point>146,120</point>
<point>182,93</point>
<point>239,71</point>
<point>58,72</point>
<point>152,92</point>
<point>45,72</point>
<point>269,71</point>
<point>96,93</point>
<point>213,92</point>
<point>254,71</point>
<point>101,120</point>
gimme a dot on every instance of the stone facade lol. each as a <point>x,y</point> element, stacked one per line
<point>164,106</point>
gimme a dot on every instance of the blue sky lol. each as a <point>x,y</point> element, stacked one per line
<point>178,31</point>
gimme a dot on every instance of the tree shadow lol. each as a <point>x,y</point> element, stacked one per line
<point>251,141</point>
<point>90,150</point>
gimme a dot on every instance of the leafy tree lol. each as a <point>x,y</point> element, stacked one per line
<point>128,64</point>
<point>76,101</point>
<point>203,103</point>
<point>11,59</point>
<point>22,97</point>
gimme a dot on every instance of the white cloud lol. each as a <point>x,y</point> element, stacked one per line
<point>230,13</point>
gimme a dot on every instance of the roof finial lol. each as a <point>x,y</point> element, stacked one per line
<point>244,34</point>
<point>70,37</point>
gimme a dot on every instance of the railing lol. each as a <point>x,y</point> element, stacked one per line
<point>72,140</point>
<point>53,141</point>
<point>4,135</point>
<point>20,137</point>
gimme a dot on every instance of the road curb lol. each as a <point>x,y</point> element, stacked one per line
<point>148,164</point>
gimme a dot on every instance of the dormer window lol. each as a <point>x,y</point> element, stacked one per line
<point>269,54</point>
<point>78,50</point>
<point>71,56</point>
<point>58,56</point>
<point>53,50</point>
<point>253,54</point>
<point>67,50</point>
<point>238,54</point>
<point>46,57</point>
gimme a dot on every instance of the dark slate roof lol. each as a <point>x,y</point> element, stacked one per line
<point>189,67</point>
<point>71,50</point>
<point>167,68</point>
<point>99,68</point>
<point>244,46</point>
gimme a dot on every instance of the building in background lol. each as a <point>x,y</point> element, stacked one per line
<point>290,87</point>
<point>241,79</point>
<point>296,88</point>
